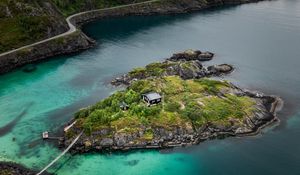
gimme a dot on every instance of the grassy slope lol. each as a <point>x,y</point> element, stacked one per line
<point>185,103</point>
<point>69,7</point>
<point>23,22</point>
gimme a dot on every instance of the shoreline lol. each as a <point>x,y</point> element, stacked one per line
<point>16,169</point>
<point>74,40</point>
<point>198,140</point>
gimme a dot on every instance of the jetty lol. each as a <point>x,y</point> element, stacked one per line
<point>46,135</point>
<point>62,154</point>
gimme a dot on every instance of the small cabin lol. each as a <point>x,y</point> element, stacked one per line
<point>152,98</point>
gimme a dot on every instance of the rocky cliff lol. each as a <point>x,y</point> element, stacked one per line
<point>74,42</point>
<point>159,7</point>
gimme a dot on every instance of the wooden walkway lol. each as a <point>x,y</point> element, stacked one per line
<point>62,154</point>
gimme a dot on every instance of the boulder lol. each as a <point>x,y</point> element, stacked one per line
<point>219,69</point>
<point>205,56</point>
<point>186,55</point>
<point>29,68</point>
<point>106,142</point>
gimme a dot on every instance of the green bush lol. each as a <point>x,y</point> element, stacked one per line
<point>132,96</point>
<point>82,113</point>
<point>193,112</point>
<point>172,107</point>
<point>201,106</point>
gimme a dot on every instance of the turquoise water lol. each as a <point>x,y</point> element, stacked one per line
<point>261,39</point>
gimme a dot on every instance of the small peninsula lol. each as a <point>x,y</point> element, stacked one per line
<point>169,104</point>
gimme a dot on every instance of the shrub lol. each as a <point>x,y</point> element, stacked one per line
<point>82,113</point>
<point>131,96</point>
<point>193,112</point>
<point>172,107</point>
<point>138,72</point>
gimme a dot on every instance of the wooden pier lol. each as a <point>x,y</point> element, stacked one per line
<point>45,135</point>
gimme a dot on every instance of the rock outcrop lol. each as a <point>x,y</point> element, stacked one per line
<point>74,42</point>
<point>185,64</point>
<point>189,55</point>
<point>9,168</point>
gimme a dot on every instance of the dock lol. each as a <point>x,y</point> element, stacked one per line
<point>45,135</point>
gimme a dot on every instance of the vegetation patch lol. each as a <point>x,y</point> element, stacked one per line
<point>25,22</point>
<point>75,6</point>
<point>184,103</point>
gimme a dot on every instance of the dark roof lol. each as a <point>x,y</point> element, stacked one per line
<point>123,104</point>
<point>152,96</point>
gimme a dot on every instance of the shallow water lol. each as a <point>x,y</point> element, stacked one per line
<point>262,40</point>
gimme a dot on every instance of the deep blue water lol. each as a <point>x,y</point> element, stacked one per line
<point>262,40</point>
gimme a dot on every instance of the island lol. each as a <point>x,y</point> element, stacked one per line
<point>170,104</point>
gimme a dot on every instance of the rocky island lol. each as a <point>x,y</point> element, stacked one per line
<point>169,104</point>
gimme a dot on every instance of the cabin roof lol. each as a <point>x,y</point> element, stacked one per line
<point>152,96</point>
<point>123,104</point>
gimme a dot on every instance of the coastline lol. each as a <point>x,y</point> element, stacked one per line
<point>277,103</point>
<point>16,169</point>
<point>75,40</point>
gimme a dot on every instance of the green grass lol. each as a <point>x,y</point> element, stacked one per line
<point>185,103</point>
<point>22,27</point>
<point>153,69</point>
<point>75,6</point>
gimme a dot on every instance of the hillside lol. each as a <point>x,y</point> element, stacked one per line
<point>69,7</point>
<point>23,22</point>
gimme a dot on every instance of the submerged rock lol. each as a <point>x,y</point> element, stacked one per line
<point>29,68</point>
<point>10,168</point>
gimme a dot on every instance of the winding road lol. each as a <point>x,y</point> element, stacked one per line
<point>72,27</point>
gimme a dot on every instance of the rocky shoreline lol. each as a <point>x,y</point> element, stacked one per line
<point>78,41</point>
<point>9,168</point>
<point>266,108</point>
<point>185,64</point>
<point>179,137</point>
